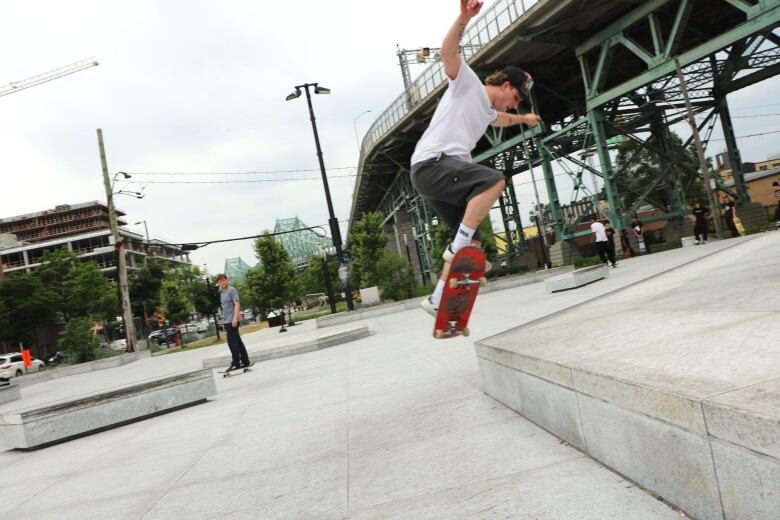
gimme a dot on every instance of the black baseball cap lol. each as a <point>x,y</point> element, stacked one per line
<point>522,81</point>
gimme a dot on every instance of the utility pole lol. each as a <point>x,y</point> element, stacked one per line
<point>705,171</point>
<point>119,245</point>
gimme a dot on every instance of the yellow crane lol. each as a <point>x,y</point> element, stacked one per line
<point>16,86</point>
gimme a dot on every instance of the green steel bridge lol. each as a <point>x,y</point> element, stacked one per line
<point>602,69</point>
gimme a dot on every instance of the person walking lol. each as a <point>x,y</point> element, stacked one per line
<point>228,297</point>
<point>461,192</point>
<point>701,214</point>
<point>639,234</point>
<point>625,245</point>
<point>776,188</point>
<point>611,241</point>
<point>730,213</point>
<point>601,242</point>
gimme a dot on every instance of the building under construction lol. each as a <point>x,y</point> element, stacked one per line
<point>82,228</point>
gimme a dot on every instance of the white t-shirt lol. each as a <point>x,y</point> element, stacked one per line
<point>461,118</point>
<point>600,231</point>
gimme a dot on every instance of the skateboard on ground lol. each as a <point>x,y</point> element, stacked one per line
<point>467,275</point>
<point>237,371</point>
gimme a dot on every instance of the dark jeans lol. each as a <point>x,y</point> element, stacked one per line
<point>777,212</point>
<point>604,251</point>
<point>700,230</point>
<point>237,348</point>
<point>732,226</point>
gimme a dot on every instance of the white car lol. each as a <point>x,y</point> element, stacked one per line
<point>11,365</point>
<point>120,344</point>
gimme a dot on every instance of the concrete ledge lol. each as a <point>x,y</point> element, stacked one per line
<point>295,346</point>
<point>82,368</point>
<point>61,421</point>
<point>577,278</point>
<point>9,391</point>
<point>696,452</point>
<point>507,282</point>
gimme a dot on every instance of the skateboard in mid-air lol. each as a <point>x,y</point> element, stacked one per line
<point>467,275</point>
<point>244,370</point>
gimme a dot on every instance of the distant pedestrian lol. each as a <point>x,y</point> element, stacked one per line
<point>230,309</point>
<point>601,242</point>
<point>776,187</point>
<point>730,214</point>
<point>625,244</point>
<point>639,234</point>
<point>611,241</point>
<point>701,214</point>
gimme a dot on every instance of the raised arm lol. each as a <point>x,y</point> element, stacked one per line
<point>450,47</point>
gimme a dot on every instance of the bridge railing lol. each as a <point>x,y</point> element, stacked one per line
<point>489,25</point>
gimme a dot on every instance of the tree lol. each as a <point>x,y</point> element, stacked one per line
<point>368,241</point>
<point>396,277</point>
<point>273,281</point>
<point>88,293</point>
<point>79,343</point>
<point>79,288</point>
<point>25,304</point>
<point>174,300</point>
<point>639,168</point>
<point>313,279</point>
<point>441,237</point>
<point>145,285</point>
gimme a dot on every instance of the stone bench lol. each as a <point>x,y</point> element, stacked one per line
<point>55,422</point>
<point>9,391</point>
<point>576,278</point>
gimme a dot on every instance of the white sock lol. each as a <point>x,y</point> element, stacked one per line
<point>462,238</point>
<point>436,296</point>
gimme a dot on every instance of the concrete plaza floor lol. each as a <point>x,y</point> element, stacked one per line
<point>387,427</point>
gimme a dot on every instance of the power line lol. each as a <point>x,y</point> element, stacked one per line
<point>756,115</point>
<point>242,173</point>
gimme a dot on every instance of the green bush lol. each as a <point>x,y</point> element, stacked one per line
<point>78,343</point>
<point>395,277</point>
<point>587,262</point>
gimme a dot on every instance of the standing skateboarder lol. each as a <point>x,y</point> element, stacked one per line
<point>228,297</point>
<point>460,191</point>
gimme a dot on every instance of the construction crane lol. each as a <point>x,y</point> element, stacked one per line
<point>16,86</point>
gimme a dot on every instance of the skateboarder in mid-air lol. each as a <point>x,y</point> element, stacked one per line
<point>460,191</point>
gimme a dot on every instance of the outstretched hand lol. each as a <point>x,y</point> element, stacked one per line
<point>532,119</point>
<point>470,8</point>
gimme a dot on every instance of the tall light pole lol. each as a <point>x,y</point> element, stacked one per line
<point>127,312</point>
<point>335,230</point>
<point>354,127</point>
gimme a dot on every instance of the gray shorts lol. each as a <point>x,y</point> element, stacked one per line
<point>448,184</point>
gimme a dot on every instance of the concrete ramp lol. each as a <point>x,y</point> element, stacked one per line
<point>673,382</point>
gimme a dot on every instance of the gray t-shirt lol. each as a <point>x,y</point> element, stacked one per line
<point>227,296</point>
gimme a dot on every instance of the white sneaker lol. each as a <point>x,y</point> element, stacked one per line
<point>428,306</point>
<point>448,255</point>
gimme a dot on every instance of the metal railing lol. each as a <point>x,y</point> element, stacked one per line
<point>488,26</point>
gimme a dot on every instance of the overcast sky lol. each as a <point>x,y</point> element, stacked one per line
<point>199,87</point>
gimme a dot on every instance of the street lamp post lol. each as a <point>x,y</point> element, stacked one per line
<point>328,283</point>
<point>354,127</point>
<point>335,230</point>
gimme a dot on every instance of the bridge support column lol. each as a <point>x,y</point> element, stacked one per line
<point>405,243</point>
<point>596,119</point>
